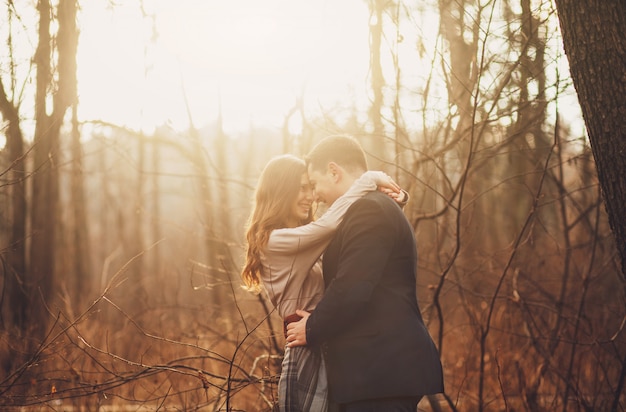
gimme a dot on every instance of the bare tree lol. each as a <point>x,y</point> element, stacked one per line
<point>377,81</point>
<point>595,44</point>
<point>14,268</point>
<point>45,189</point>
<point>82,272</point>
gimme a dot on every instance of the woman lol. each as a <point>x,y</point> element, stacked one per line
<point>283,257</point>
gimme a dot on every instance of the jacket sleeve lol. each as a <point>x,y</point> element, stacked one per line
<point>367,243</point>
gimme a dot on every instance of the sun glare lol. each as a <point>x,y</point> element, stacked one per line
<point>247,58</point>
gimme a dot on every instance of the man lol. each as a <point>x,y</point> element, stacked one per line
<point>380,355</point>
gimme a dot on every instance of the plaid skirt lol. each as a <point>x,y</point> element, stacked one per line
<point>303,384</point>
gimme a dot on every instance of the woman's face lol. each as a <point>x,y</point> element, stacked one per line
<point>302,205</point>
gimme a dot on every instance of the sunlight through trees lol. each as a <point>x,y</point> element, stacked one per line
<point>133,133</point>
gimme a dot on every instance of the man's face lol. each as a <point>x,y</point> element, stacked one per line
<point>324,185</point>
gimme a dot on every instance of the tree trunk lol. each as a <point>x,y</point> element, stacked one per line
<point>45,187</point>
<point>595,43</point>
<point>376,146</point>
<point>15,268</point>
<point>81,245</point>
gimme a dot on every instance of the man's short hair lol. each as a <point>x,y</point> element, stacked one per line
<point>344,150</point>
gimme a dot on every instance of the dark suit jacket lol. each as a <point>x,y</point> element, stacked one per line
<point>377,344</point>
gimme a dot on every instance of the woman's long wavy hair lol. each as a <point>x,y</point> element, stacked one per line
<point>276,192</point>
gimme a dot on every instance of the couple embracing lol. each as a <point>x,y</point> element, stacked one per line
<point>355,338</point>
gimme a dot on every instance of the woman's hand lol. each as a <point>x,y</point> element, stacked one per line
<point>387,185</point>
<point>383,181</point>
<point>400,197</point>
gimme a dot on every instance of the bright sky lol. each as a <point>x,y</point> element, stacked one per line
<point>252,57</point>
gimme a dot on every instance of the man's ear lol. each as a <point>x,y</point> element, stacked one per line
<point>335,171</point>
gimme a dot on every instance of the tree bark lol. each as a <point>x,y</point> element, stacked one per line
<point>595,43</point>
<point>81,245</point>
<point>15,268</point>
<point>376,145</point>
<point>45,185</point>
<point>45,188</point>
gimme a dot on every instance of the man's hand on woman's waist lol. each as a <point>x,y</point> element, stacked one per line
<point>296,331</point>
